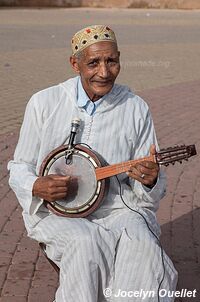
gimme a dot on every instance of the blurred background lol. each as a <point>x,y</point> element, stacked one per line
<point>183,4</point>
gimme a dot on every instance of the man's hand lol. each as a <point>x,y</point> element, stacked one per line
<point>51,187</point>
<point>146,172</point>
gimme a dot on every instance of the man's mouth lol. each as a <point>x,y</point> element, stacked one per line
<point>102,83</point>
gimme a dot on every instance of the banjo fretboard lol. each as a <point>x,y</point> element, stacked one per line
<point>163,157</point>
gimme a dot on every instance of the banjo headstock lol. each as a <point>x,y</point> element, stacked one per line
<point>178,153</point>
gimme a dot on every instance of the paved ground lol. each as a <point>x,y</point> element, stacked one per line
<point>160,60</point>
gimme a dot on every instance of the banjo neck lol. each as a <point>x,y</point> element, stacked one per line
<point>111,170</point>
<point>163,157</point>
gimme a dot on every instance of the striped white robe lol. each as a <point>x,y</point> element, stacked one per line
<point>112,248</point>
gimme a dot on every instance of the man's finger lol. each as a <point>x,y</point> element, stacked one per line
<point>147,167</point>
<point>60,189</point>
<point>152,149</point>
<point>60,177</point>
<point>59,180</point>
<point>56,196</point>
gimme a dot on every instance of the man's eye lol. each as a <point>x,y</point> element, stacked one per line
<point>93,63</point>
<point>112,61</point>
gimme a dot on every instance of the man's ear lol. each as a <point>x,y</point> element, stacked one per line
<point>74,64</point>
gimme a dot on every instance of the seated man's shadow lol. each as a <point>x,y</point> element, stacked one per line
<point>181,240</point>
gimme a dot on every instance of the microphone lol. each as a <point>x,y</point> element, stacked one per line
<point>68,153</point>
<point>74,127</point>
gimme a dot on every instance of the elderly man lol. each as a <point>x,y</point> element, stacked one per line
<point>114,253</point>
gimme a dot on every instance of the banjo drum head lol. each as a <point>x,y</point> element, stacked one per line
<point>85,192</point>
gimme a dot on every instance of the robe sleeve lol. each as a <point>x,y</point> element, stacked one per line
<point>23,166</point>
<point>147,198</point>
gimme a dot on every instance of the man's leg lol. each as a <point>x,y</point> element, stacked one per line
<point>138,264</point>
<point>84,251</point>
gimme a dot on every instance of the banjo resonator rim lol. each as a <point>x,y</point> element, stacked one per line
<point>94,201</point>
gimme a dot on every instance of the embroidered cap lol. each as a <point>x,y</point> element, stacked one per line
<point>90,35</point>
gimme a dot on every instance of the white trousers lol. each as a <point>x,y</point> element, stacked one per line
<point>115,258</point>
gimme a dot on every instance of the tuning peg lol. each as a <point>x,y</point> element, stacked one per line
<point>180,161</point>
<point>166,165</point>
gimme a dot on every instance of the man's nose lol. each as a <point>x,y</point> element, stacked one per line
<point>103,70</point>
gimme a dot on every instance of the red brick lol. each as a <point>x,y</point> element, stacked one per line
<point>14,298</point>
<point>16,287</point>
<point>23,270</point>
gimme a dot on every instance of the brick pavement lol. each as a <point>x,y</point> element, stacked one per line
<point>173,95</point>
<point>176,113</point>
<point>25,274</point>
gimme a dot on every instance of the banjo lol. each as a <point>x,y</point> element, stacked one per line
<point>82,163</point>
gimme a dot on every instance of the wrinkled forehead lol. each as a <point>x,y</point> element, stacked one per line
<point>99,50</point>
<point>91,35</point>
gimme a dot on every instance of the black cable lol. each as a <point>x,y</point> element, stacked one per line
<point>83,144</point>
<point>159,243</point>
<point>161,248</point>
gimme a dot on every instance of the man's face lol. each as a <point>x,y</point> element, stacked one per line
<point>98,66</point>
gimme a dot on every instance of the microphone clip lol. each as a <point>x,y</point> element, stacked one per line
<point>68,156</point>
